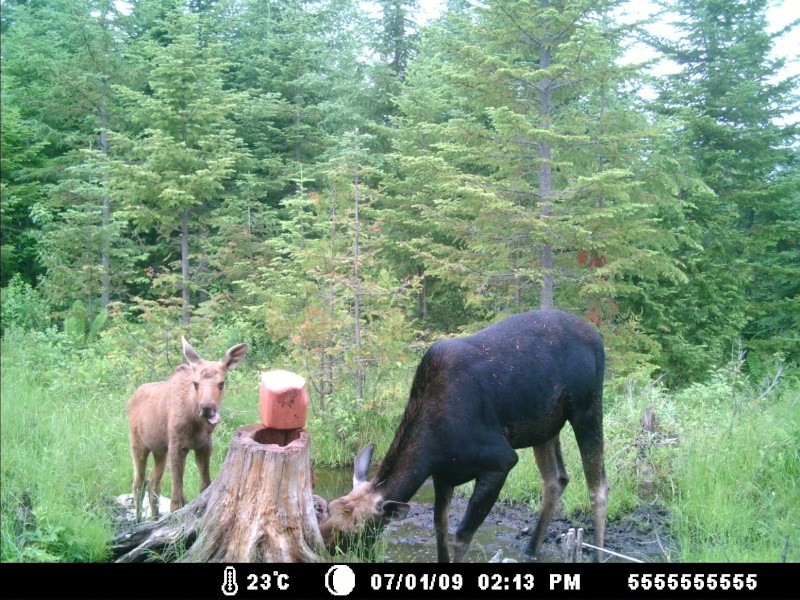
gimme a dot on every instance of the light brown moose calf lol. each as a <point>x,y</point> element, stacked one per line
<point>169,418</point>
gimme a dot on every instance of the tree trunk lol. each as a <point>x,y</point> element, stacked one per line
<point>106,206</point>
<point>423,294</point>
<point>259,509</point>
<point>185,265</point>
<point>545,177</point>
<point>357,288</point>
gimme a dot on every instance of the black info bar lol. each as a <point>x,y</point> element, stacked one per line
<point>397,580</point>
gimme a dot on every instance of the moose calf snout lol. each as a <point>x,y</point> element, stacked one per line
<point>210,413</point>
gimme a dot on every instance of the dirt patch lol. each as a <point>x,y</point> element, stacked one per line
<point>643,534</point>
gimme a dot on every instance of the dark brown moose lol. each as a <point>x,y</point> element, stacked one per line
<point>171,417</point>
<point>473,401</point>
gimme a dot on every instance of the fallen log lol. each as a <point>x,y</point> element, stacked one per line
<point>260,508</point>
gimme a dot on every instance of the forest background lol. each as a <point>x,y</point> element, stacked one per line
<point>338,185</point>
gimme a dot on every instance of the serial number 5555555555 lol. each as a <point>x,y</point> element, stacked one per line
<point>687,581</point>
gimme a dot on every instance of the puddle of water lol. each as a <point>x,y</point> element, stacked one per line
<point>333,483</point>
<point>409,542</point>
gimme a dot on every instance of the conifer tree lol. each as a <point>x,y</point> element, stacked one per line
<point>731,108</point>
<point>187,158</point>
<point>21,156</point>
<point>524,149</point>
<point>64,57</point>
<point>395,43</point>
<point>328,293</point>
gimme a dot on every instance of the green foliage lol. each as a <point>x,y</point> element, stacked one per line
<point>774,322</point>
<point>62,439</point>
<point>146,338</point>
<point>81,327</point>
<point>168,152</point>
<point>21,154</point>
<point>733,112</point>
<point>736,483</point>
<point>23,306</point>
<point>61,59</point>
<point>487,183</point>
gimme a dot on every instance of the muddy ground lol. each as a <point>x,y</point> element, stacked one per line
<point>643,534</point>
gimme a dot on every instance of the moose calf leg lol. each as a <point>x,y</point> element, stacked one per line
<point>177,464</point>
<point>554,475</point>
<point>154,484</point>
<point>139,466</point>
<point>202,457</point>
<point>441,517</point>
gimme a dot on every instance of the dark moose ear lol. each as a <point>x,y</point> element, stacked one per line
<point>361,465</point>
<point>395,511</point>
<point>234,356</point>
<point>190,353</point>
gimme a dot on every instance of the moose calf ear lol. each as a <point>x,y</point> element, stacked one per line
<point>190,353</point>
<point>395,511</point>
<point>234,356</point>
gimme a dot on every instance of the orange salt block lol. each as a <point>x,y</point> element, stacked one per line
<point>283,400</point>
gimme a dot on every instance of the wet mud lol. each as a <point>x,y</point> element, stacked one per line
<point>643,534</point>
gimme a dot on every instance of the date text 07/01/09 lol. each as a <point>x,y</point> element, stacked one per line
<point>444,581</point>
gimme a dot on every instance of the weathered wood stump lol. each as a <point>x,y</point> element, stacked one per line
<point>260,508</point>
<point>572,545</point>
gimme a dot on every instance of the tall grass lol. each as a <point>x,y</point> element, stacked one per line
<point>63,434</point>
<point>738,477</point>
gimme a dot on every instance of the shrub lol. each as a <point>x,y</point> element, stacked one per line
<point>23,306</point>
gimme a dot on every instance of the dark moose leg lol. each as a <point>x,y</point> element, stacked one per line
<point>555,478</point>
<point>441,506</point>
<point>487,488</point>
<point>590,443</point>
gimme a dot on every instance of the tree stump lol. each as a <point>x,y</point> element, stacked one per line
<point>260,508</point>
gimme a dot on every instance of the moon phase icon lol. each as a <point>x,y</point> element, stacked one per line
<point>340,580</point>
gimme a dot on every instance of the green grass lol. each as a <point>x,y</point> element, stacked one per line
<point>725,459</point>
<point>738,483</point>
<point>61,445</point>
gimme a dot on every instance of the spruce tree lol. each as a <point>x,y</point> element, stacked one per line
<point>523,146</point>
<point>733,114</point>
<point>62,60</point>
<point>187,159</point>
<point>21,156</point>
<point>328,291</point>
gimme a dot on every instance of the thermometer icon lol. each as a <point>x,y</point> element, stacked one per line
<point>229,585</point>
